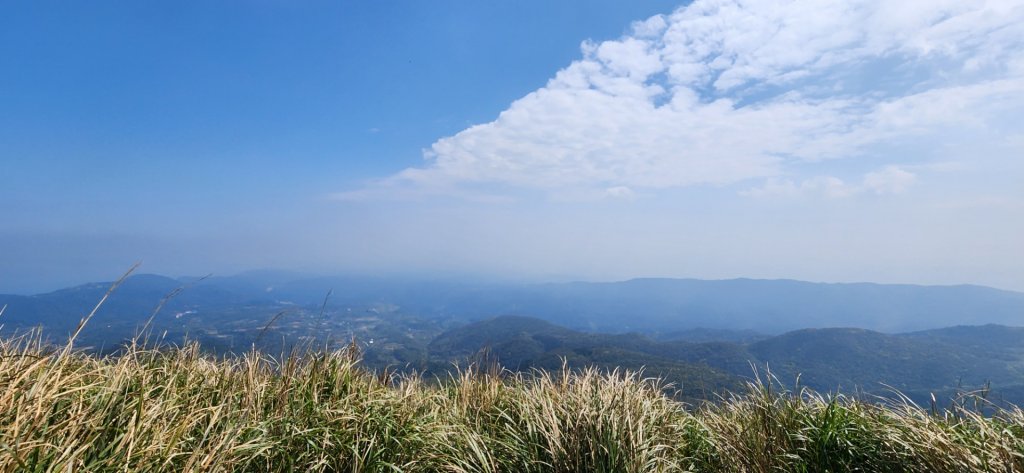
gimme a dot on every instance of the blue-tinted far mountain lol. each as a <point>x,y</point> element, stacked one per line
<point>770,306</point>
<point>685,309</point>
<point>664,306</point>
<point>704,336</point>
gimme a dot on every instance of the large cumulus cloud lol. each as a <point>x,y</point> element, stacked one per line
<point>754,94</point>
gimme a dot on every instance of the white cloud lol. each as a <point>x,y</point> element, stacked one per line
<point>721,91</point>
<point>619,192</point>
<point>891,180</point>
<point>888,180</point>
<point>827,186</point>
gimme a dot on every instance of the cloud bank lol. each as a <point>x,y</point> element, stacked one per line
<point>832,98</point>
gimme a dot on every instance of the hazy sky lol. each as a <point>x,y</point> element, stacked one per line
<point>819,140</point>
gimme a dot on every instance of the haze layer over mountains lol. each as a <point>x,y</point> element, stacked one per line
<point>706,336</point>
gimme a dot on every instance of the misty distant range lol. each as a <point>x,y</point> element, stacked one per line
<point>705,336</point>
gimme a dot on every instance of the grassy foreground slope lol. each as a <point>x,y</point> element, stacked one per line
<point>177,410</point>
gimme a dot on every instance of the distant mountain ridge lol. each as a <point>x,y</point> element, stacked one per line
<point>774,306</point>
<point>135,300</point>
<point>704,335</point>
<point>654,306</point>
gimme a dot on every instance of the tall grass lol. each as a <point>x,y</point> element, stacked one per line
<point>176,409</point>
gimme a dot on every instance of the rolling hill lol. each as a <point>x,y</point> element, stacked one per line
<point>827,360</point>
<point>702,335</point>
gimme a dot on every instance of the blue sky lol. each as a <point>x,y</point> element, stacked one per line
<point>834,141</point>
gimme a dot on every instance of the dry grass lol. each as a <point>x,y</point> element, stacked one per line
<point>178,410</point>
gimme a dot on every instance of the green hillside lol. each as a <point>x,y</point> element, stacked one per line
<point>945,362</point>
<point>524,344</point>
